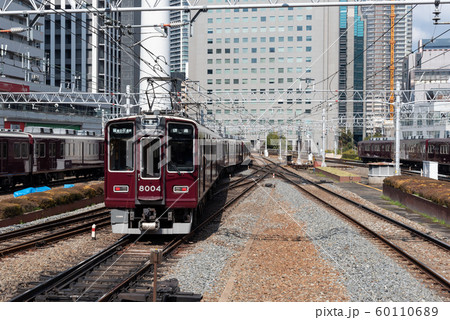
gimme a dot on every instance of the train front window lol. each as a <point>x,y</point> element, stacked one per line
<point>150,161</point>
<point>181,147</point>
<point>121,153</point>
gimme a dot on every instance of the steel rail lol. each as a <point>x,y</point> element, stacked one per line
<point>73,272</point>
<point>440,278</point>
<point>52,224</point>
<point>425,236</point>
<point>102,222</point>
<point>174,244</point>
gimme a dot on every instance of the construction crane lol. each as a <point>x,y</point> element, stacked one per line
<point>392,67</point>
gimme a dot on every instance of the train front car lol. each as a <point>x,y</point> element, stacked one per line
<point>150,174</point>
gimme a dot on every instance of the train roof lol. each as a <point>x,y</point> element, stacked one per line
<point>146,120</point>
<point>50,133</point>
<point>406,140</point>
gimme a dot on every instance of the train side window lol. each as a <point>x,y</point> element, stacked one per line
<point>24,150</point>
<point>4,150</point>
<point>444,149</point>
<point>16,150</point>
<point>430,149</point>
<point>61,150</point>
<point>121,142</point>
<point>52,150</point>
<point>150,161</point>
<point>42,150</point>
<point>181,147</point>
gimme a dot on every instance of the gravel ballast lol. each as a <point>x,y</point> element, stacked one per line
<point>276,245</point>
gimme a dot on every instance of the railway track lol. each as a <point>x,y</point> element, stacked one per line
<point>124,271</point>
<point>42,234</point>
<point>405,170</point>
<point>429,254</point>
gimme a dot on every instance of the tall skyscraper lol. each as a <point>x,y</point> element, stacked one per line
<point>351,70</point>
<point>378,27</point>
<point>179,39</point>
<point>81,55</point>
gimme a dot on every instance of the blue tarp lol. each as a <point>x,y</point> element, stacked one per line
<point>29,190</point>
<point>69,185</point>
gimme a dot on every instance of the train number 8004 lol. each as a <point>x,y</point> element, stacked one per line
<point>149,188</point>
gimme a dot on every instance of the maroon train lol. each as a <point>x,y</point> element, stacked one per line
<point>412,152</point>
<point>31,159</point>
<point>160,169</point>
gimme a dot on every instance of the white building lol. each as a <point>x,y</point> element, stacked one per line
<point>427,75</point>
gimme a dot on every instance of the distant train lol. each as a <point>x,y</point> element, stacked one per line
<point>159,170</point>
<point>33,158</point>
<point>412,152</point>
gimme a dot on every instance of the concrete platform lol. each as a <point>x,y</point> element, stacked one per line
<point>373,194</point>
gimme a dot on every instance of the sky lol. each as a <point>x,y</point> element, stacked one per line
<point>423,27</point>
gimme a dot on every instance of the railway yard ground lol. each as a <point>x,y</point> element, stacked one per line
<point>276,244</point>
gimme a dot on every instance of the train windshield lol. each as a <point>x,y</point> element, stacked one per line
<point>121,153</point>
<point>150,162</point>
<point>181,147</point>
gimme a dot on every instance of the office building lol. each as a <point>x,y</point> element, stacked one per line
<point>269,70</point>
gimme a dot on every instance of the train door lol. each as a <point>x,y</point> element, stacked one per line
<point>52,155</point>
<point>41,155</point>
<point>150,180</point>
<point>3,155</point>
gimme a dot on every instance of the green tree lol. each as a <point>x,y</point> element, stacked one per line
<point>273,140</point>
<point>346,141</point>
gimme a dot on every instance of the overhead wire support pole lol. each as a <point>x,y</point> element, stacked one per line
<point>397,129</point>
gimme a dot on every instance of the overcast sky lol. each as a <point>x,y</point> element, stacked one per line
<point>423,27</point>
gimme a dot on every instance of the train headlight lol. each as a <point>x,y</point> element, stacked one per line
<point>180,189</point>
<point>120,188</point>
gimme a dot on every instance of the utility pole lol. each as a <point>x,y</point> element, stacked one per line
<point>323,138</point>
<point>128,100</point>
<point>397,129</point>
<point>299,146</point>
<point>279,143</point>
<point>266,152</point>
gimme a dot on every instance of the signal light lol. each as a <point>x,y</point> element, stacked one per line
<point>120,188</point>
<point>181,189</point>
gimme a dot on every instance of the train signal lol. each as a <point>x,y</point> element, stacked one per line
<point>93,232</point>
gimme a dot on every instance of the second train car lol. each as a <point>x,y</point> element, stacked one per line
<point>159,170</point>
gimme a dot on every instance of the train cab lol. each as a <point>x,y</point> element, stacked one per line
<point>151,177</point>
